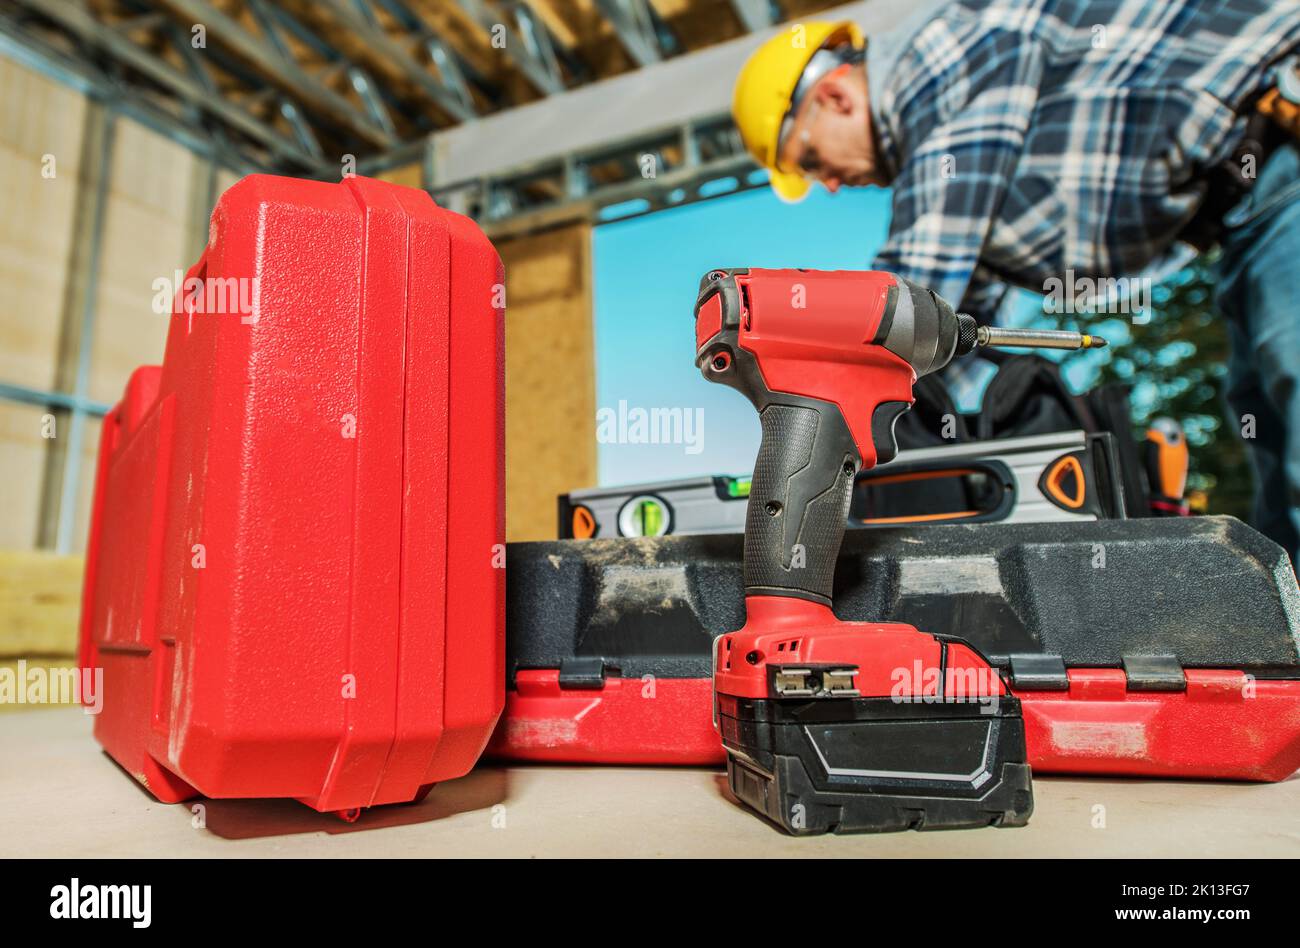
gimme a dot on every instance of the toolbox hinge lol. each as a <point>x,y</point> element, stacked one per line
<point>585,672</point>
<point>1154,673</point>
<point>1036,672</point>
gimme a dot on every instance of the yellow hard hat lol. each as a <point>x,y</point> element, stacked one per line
<point>766,85</point>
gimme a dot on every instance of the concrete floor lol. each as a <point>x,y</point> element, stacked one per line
<point>61,796</point>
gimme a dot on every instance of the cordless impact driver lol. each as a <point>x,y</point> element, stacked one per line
<point>830,725</point>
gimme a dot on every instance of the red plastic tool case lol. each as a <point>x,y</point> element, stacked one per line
<point>1097,726</point>
<point>293,581</point>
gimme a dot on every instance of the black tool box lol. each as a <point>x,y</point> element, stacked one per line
<point>1133,629</point>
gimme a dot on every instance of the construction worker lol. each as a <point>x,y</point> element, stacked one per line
<point>1055,143</point>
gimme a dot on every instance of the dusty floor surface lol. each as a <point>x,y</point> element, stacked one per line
<point>61,796</point>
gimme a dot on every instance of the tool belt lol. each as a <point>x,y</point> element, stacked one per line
<point>1273,121</point>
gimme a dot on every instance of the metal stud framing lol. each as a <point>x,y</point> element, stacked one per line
<point>295,84</point>
<point>277,86</point>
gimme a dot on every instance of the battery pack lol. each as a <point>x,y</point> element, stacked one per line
<point>870,765</point>
<point>865,727</point>
<point>290,584</point>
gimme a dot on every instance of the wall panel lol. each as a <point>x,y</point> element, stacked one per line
<point>146,237</point>
<point>38,118</point>
<point>550,379</point>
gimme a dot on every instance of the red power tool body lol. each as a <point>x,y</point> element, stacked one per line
<point>830,725</point>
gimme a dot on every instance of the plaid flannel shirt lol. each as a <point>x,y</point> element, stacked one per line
<point>1028,138</point>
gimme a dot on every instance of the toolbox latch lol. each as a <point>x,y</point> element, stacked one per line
<point>1154,673</point>
<point>584,672</point>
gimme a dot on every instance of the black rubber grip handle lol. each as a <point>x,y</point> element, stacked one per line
<point>798,501</point>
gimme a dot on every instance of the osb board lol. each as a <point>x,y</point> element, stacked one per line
<point>86,484</point>
<point>38,118</point>
<point>40,602</point>
<point>145,238</point>
<point>697,25</point>
<point>226,179</point>
<point>407,175</point>
<point>550,376</point>
<point>22,460</point>
<point>395,72</point>
<point>454,26</point>
<point>700,23</point>
<point>39,115</point>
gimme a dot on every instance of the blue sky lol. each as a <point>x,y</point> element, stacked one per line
<point>647,271</point>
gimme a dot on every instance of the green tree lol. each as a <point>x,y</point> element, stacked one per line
<point>1175,362</point>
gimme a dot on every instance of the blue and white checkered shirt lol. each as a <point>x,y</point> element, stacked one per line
<point>1028,139</point>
